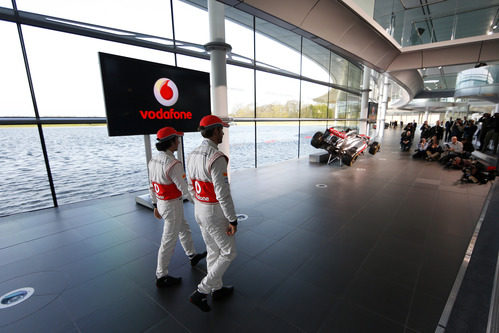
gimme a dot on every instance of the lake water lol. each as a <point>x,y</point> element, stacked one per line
<point>87,164</point>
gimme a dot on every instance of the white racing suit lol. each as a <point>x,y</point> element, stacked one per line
<point>168,184</point>
<point>213,210</point>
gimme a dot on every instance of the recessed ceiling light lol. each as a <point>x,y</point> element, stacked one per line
<point>439,67</point>
<point>431,81</point>
<point>494,27</point>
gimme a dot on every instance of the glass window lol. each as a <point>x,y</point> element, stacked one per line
<point>277,48</point>
<point>242,145</point>
<point>107,166</point>
<point>240,99</point>
<point>315,61</point>
<point>333,97</point>
<point>276,96</point>
<point>191,23</point>
<point>193,139</point>
<point>307,131</point>
<point>239,32</point>
<point>338,70</point>
<point>6,3</point>
<point>341,109</point>
<point>354,76</point>
<point>193,63</point>
<point>353,111</point>
<point>66,73</point>
<point>276,142</point>
<point>151,17</point>
<point>15,98</point>
<point>24,185</point>
<point>240,92</point>
<point>313,100</point>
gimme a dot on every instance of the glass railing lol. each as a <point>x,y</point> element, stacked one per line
<point>475,77</point>
<point>437,23</point>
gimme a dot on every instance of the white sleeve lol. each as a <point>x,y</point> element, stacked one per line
<point>152,193</point>
<point>177,175</point>
<point>222,187</point>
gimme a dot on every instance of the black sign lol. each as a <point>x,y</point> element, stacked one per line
<point>142,97</point>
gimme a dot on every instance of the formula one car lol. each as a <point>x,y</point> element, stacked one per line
<point>344,146</point>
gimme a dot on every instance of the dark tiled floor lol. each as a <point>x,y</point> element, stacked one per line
<point>378,250</point>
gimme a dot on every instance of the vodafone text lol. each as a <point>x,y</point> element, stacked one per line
<point>166,114</point>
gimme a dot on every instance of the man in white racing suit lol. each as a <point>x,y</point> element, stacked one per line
<point>167,187</point>
<point>213,209</point>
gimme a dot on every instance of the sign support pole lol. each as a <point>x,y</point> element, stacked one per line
<point>145,199</point>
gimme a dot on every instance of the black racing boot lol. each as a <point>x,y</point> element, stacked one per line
<point>200,300</point>
<point>222,293</point>
<point>197,257</point>
<point>168,281</point>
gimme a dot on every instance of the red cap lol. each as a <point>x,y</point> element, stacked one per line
<point>212,120</point>
<point>167,133</point>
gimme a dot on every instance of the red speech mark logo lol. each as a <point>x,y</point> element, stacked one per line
<point>166,92</point>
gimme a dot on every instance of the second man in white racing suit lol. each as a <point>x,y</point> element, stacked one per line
<point>213,209</point>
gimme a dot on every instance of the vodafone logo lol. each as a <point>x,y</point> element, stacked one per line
<point>198,187</point>
<point>166,92</point>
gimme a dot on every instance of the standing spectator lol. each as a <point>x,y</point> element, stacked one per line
<point>492,133</point>
<point>465,121</point>
<point>457,129</point>
<point>425,130</point>
<point>437,131</point>
<point>409,128</point>
<point>448,126</point>
<point>469,130</point>
<point>486,122</point>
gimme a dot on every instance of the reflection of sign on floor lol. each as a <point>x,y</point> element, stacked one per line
<point>15,297</point>
<point>321,185</point>
<point>360,169</point>
<point>382,159</point>
<point>241,217</point>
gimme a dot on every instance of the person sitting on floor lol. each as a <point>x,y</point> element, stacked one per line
<point>421,150</point>
<point>434,150</point>
<point>453,149</point>
<point>406,140</point>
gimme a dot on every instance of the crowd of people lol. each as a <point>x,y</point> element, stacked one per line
<point>452,144</point>
<point>485,134</point>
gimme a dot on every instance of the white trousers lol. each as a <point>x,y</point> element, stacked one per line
<point>175,226</point>
<point>220,247</point>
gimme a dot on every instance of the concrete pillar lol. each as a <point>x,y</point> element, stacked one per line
<point>218,50</point>
<point>380,127</point>
<point>497,109</point>
<point>366,79</point>
<point>426,114</point>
